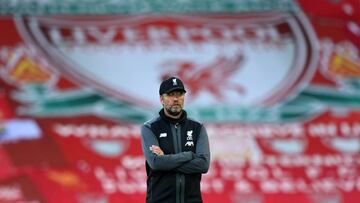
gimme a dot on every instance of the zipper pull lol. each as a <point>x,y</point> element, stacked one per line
<point>176,125</point>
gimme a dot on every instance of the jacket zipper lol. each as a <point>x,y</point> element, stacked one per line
<point>178,135</point>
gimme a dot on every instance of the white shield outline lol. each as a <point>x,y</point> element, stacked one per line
<point>304,64</point>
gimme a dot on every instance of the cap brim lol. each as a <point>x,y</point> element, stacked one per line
<point>174,89</point>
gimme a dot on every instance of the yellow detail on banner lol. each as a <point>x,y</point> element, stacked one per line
<point>27,71</point>
<point>343,66</point>
<point>66,179</point>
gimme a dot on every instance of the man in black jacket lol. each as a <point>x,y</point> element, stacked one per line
<point>176,149</point>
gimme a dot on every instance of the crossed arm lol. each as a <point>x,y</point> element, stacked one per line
<point>185,162</point>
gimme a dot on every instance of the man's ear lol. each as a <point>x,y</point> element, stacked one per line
<point>161,99</point>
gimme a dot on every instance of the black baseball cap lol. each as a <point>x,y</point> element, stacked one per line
<point>171,84</point>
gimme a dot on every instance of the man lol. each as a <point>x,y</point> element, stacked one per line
<point>176,149</point>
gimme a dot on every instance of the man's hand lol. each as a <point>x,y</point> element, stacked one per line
<point>156,150</point>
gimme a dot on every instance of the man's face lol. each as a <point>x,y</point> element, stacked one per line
<point>173,102</point>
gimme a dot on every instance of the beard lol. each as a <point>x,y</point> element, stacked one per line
<point>174,110</point>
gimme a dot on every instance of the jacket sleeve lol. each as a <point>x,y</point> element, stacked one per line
<point>162,162</point>
<point>201,162</point>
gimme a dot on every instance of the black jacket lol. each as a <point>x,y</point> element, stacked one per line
<point>175,176</point>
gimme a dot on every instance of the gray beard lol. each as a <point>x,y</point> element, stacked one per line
<point>173,113</point>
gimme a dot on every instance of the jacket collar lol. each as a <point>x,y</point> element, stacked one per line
<point>172,120</point>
